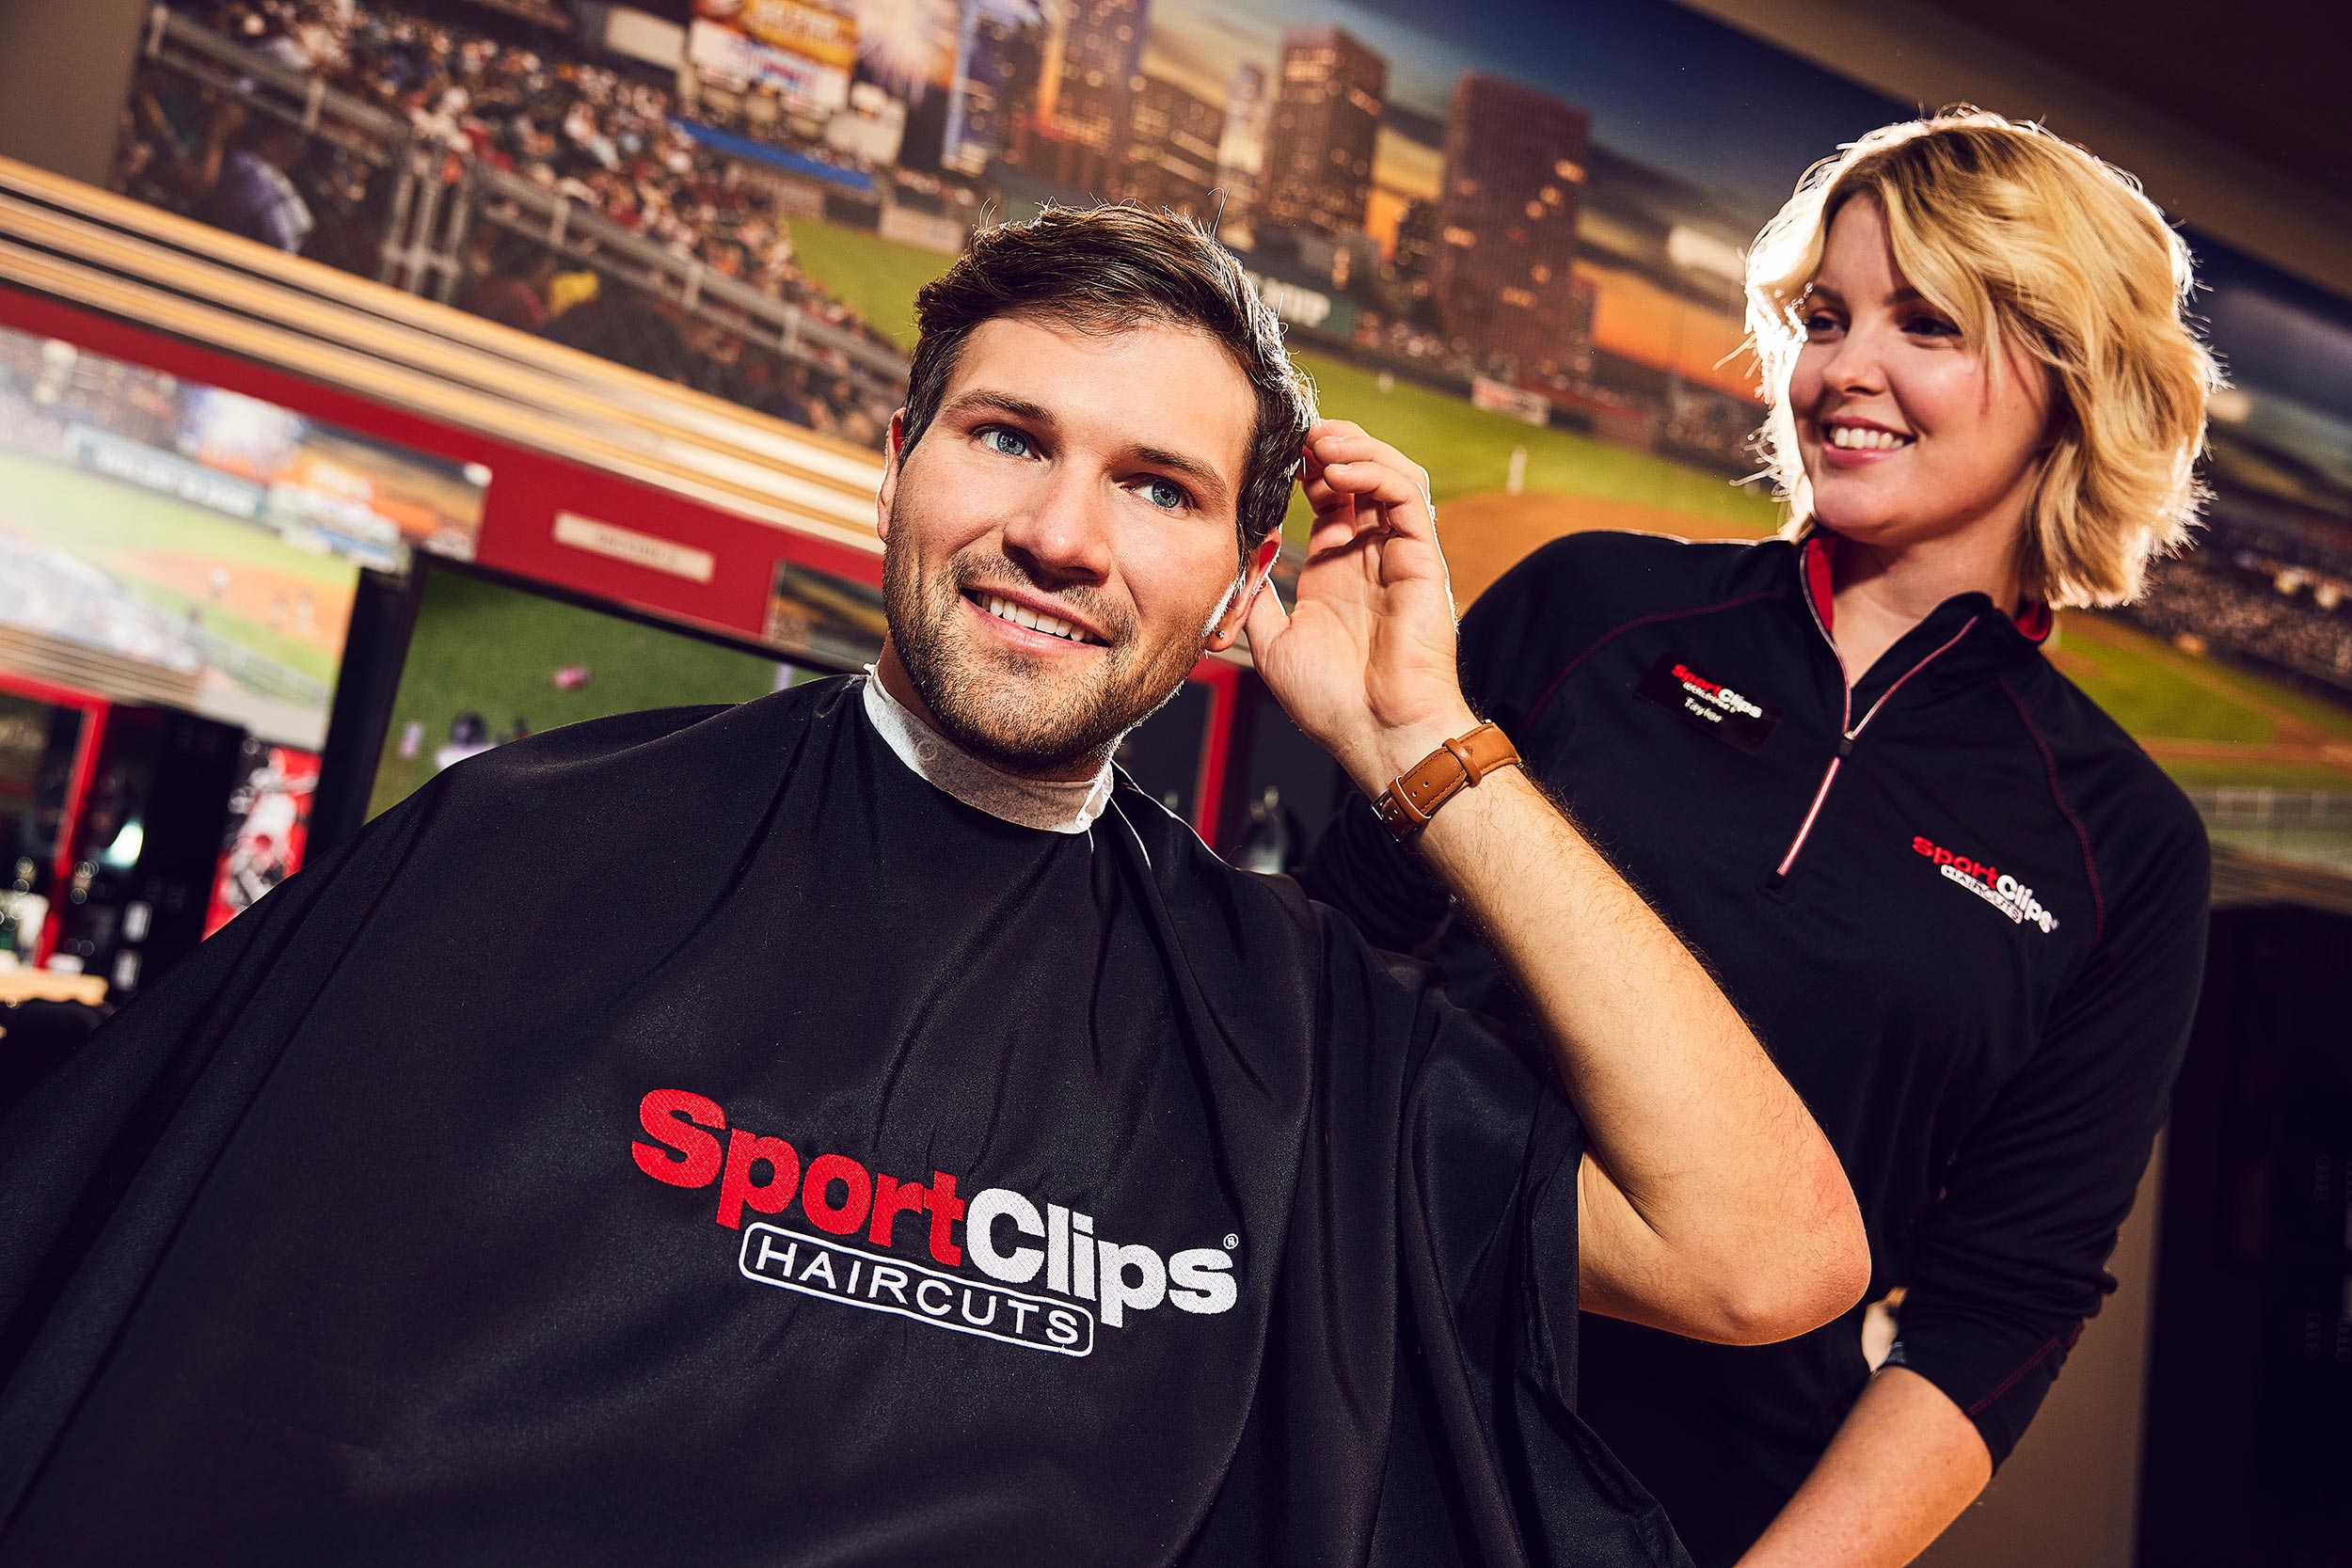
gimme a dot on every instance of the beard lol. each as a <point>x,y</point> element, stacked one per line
<point>1024,714</point>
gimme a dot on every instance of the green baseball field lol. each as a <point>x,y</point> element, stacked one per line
<point>2210,725</point>
<point>260,602</point>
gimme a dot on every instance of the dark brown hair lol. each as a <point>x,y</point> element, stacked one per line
<point>1106,269</point>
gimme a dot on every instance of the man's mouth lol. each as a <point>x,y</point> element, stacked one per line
<point>1859,438</point>
<point>1021,615</point>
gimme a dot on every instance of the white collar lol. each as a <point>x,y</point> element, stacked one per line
<point>1049,805</point>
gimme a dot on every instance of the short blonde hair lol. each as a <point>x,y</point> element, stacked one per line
<point>2024,240</point>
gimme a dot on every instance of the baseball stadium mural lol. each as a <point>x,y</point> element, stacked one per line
<point>1509,239</point>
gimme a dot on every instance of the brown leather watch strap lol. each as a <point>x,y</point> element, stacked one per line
<point>1407,805</point>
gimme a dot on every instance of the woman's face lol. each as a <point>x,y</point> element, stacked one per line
<point>1907,434</point>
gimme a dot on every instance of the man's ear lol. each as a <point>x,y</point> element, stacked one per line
<point>888,490</point>
<point>1226,632</point>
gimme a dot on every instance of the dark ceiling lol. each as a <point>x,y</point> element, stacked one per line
<point>2270,79</point>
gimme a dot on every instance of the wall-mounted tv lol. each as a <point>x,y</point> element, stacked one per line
<point>164,541</point>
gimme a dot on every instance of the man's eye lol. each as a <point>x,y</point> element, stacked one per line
<point>1012,443</point>
<point>1166,494</point>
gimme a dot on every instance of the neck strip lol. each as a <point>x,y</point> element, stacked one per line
<point>1048,805</point>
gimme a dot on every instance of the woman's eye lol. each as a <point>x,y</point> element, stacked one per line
<point>1819,322</point>
<point>1012,443</point>
<point>1166,494</point>
<point>1932,326</point>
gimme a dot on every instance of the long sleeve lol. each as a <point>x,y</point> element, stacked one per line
<point>2012,1259</point>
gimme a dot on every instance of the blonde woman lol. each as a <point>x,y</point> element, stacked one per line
<point>1961,906</point>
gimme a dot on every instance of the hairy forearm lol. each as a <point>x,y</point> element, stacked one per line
<point>1711,1200</point>
<point>1708,1201</point>
<point>1900,1470</point>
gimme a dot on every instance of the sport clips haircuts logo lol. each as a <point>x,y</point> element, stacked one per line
<point>2004,893</point>
<point>1007,1237</point>
<point>1722,698</point>
<point>1730,716</point>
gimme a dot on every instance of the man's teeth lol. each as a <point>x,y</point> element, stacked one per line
<point>1020,615</point>
<point>1855,439</point>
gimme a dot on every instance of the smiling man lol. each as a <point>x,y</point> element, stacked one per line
<point>949,1160</point>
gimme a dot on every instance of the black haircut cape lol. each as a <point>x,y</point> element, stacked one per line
<point>691,1135</point>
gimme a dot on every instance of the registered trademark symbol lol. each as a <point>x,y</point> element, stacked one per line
<point>1231,1241</point>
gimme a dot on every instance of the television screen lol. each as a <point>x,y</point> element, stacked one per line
<point>489,662</point>
<point>169,542</point>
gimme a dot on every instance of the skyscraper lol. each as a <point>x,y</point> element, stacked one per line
<point>1414,262</point>
<point>1327,118</point>
<point>1505,271</point>
<point>999,45</point>
<point>1241,147</point>
<point>1100,66</point>
<point>1172,154</point>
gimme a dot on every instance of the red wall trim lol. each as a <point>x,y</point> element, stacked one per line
<point>527,488</point>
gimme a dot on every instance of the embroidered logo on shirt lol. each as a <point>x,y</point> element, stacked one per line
<point>2004,893</point>
<point>1729,716</point>
<point>1009,1238</point>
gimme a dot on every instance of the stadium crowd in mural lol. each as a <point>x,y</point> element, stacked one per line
<point>584,131</point>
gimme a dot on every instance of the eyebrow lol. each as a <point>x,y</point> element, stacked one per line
<point>1003,402</point>
<point>1214,491</point>
<point>1905,296</point>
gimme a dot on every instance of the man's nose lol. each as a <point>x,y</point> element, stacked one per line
<point>1063,535</point>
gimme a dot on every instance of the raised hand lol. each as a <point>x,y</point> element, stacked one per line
<point>1364,660</point>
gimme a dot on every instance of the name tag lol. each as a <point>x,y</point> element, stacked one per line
<point>1730,716</point>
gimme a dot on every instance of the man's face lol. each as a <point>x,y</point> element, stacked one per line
<point>1059,548</point>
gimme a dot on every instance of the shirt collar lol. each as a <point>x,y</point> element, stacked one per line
<point>1820,548</point>
<point>1048,805</point>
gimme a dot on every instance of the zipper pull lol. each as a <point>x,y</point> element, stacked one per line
<point>1845,745</point>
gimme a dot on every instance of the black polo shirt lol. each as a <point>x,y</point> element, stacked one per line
<point>1962,910</point>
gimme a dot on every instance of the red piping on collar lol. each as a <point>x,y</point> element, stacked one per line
<point>1821,548</point>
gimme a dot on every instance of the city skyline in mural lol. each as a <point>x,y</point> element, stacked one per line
<point>1512,237</point>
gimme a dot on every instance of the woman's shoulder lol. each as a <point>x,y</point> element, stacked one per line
<point>1610,568</point>
<point>1578,590</point>
<point>2137,823</point>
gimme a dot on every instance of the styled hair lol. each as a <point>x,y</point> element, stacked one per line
<point>2025,240</point>
<point>1109,269</point>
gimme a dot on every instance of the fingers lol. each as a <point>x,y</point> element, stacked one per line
<point>1402,504</point>
<point>1378,481</point>
<point>1319,492</point>
<point>1355,463</point>
<point>1338,441</point>
<point>1265,619</point>
<point>1353,479</point>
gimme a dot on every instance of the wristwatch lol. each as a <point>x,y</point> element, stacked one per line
<point>1407,804</point>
